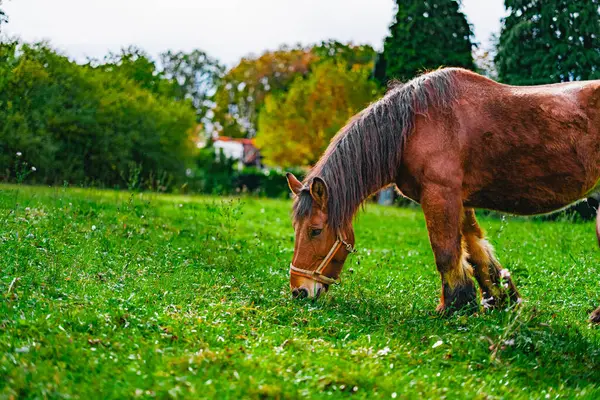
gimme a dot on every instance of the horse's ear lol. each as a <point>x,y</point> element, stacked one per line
<point>294,184</point>
<point>318,191</point>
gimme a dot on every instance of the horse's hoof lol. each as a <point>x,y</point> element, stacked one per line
<point>441,309</point>
<point>595,317</point>
<point>500,300</point>
<point>502,294</point>
<point>458,298</point>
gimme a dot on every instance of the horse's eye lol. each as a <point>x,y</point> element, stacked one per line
<point>315,232</point>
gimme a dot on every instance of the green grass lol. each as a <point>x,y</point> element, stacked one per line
<point>111,294</point>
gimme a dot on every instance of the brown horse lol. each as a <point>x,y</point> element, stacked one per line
<point>453,141</point>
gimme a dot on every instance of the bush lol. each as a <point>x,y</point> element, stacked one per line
<point>214,173</point>
<point>218,174</point>
<point>84,125</point>
<point>268,183</point>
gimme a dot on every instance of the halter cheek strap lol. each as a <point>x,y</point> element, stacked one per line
<point>317,274</point>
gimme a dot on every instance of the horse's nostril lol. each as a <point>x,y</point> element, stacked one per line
<point>299,293</point>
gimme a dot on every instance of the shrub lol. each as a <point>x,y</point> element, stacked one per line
<point>81,125</point>
<point>268,183</point>
<point>214,173</point>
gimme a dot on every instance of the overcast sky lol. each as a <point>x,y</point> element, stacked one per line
<point>226,29</point>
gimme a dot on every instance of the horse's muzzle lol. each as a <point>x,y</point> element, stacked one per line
<point>309,289</point>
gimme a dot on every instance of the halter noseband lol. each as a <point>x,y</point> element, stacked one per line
<point>317,274</point>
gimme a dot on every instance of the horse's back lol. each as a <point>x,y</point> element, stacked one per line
<point>528,150</point>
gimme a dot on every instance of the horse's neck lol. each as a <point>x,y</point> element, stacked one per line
<point>355,183</point>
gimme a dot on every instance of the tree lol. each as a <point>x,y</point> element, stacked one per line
<point>549,41</point>
<point>195,76</point>
<point>347,53</point>
<point>295,127</point>
<point>484,62</point>
<point>243,89</point>
<point>85,124</point>
<point>135,64</point>
<point>426,34</point>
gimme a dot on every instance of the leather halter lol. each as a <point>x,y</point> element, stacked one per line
<point>317,274</point>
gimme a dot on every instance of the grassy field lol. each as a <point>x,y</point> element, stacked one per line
<point>111,294</point>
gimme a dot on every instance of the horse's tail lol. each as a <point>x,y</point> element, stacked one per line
<point>598,224</point>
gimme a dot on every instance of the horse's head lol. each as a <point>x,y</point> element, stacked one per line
<point>319,250</point>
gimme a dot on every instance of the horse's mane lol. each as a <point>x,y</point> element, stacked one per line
<point>365,155</point>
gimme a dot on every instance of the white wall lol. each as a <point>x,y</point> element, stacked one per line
<point>233,150</point>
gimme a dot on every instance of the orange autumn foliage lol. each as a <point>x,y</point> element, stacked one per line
<point>295,127</point>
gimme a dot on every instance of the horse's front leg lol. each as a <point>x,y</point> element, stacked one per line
<point>443,211</point>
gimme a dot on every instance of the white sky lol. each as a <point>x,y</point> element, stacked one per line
<point>225,29</point>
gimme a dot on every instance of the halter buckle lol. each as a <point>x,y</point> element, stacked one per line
<point>349,248</point>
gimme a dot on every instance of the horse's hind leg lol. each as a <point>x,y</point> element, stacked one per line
<point>494,281</point>
<point>595,317</point>
<point>443,211</point>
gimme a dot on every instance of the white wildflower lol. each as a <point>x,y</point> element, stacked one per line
<point>33,169</point>
<point>19,154</point>
<point>93,227</point>
<point>394,395</point>
<point>384,352</point>
<point>504,274</point>
<point>487,303</point>
<point>437,344</point>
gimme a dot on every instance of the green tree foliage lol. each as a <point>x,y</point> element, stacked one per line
<point>242,91</point>
<point>295,127</point>
<point>426,34</point>
<point>135,64</point>
<point>346,53</point>
<point>194,76</point>
<point>549,41</point>
<point>191,77</point>
<point>83,124</point>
